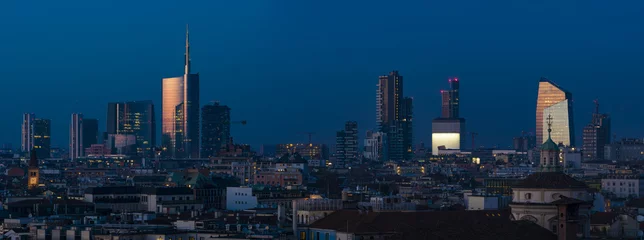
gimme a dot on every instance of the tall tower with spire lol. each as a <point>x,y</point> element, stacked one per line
<point>550,153</point>
<point>180,133</point>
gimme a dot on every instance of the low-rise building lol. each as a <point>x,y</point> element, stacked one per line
<point>240,198</point>
<point>623,186</point>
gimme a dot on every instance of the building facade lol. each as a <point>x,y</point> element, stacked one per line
<point>27,138</point>
<point>215,129</point>
<point>551,94</point>
<point>394,114</point>
<point>76,136</point>
<point>306,150</point>
<point>628,149</point>
<point>347,145</point>
<point>596,135</point>
<point>180,113</point>
<point>42,137</point>
<point>374,146</point>
<point>448,131</point>
<point>135,118</point>
<point>623,186</point>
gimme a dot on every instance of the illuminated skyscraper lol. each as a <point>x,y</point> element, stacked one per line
<point>215,127</point>
<point>394,117</point>
<point>27,137</point>
<point>180,112</point>
<point>76,136</point>
<point>42,137</point>
<point>136,119</point>
<point>557,102</point>
<point>448,131</point>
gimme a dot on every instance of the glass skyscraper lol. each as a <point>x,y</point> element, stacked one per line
<point>550,95</point>
<point>135,118</point>
<point>215,129</point>
<point>180,112</point>
<point>42,137</point>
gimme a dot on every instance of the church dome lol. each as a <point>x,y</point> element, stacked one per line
<point>549,145</point>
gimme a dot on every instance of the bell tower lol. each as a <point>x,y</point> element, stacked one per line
<point>34,172</point>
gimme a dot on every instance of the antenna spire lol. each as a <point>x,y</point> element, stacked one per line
<point>549,124</point>
<point>187,54</point>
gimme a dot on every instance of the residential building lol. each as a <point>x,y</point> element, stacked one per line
<point>76,136</point>
<point>279,177</point>
<point>308,151</point>
<point>394,117</point>
<point>180,113</point>
<point>240,198</point>
<point>596,135</point>
<point>215,129</point>
<point>623,186</point>
<point>346,145</point>
<point>551,94</point>
<point>628,149</point>
<point>374,146</point>
<point>134,118</point>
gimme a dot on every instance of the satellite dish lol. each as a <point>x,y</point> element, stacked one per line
<point>640,218</point>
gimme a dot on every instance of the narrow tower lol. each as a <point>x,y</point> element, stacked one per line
<point>550,152</point>
<point>34,172</point>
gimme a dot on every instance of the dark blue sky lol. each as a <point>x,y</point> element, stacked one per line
<point>297,66</point>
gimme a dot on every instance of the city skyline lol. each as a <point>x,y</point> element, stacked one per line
<point>426,66</point>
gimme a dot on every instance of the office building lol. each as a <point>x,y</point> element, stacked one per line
<point>90,132</point>
<point>448,131</point>
<point>27,138</point>
<point>596,135</point>
<point>76,136</point>
<point>346,145</point>
<point>42,137</point>
<point>180,112</point>
<point>215,129</point>
<point>550,94</point>
<point>136,118</point>
<point>394,117</point>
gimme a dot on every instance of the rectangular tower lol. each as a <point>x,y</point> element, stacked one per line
<point>347,145</point>
<point>27,138</point>
<point>90,133</point>
<point>448,131</point>
<point>76,136</point>
<point>215,129</point>
<point>42,137</point>
<point>596,135</point>
<point>549,95</point>
<point>134,118</point>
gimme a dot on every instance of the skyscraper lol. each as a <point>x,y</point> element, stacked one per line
<point>42,137</point>
<point>76,136</point>
<point>551,94</point>
<point>181,112</point>
<point>136,118</point>
<point>448,131</point>
<point>393,117</point>
<point>27,138</point>
<point>596,135</point>
<point>346,145</point>
<point>90,133</point>
<point>215,129</point>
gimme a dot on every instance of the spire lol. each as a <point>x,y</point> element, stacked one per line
<point>549,125</point>
<point>187,54</point>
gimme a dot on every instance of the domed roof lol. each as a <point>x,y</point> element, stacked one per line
<point>549,145</point>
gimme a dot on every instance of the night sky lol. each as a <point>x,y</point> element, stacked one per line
<point>308,66</point>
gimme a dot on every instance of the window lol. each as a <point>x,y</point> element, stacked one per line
<point>302,235</point>
<point>528,196</point>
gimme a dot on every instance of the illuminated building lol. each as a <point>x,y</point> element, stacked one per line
<point>76,136</point>
<point>448,131</point>
<point>306,150</point>
<point>136,118</point>
<point>42,137</point>
<point>596,135</point>
<point>215,129</point>
<point>373,146</point>
<point>34,171</point>
<point>394,117</point>
<point>27,138</point>
<point>180,112</point>
<point>346,145</point>
<point>549,95</point>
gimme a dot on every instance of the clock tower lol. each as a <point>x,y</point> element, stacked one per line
<point>34,172</point>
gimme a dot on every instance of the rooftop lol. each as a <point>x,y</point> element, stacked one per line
<point>550,180</point>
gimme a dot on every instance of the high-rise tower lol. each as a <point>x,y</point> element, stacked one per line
<point>215,129</point>
<point>596,135</point>
<point>393,117</point>
<point>136,118</point>
<point>450,108</point>
<point>557,102</point>
<point>448,130</point>
<point>181,111</point>
<point>27,137</point>
<point>76,136</point>
<point>42,137</point>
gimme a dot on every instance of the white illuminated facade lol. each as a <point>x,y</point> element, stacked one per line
<point>562,128</point>
<point>448,133</point>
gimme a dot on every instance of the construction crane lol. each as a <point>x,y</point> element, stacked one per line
<point>473,134</point>
<point>310,134</point>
